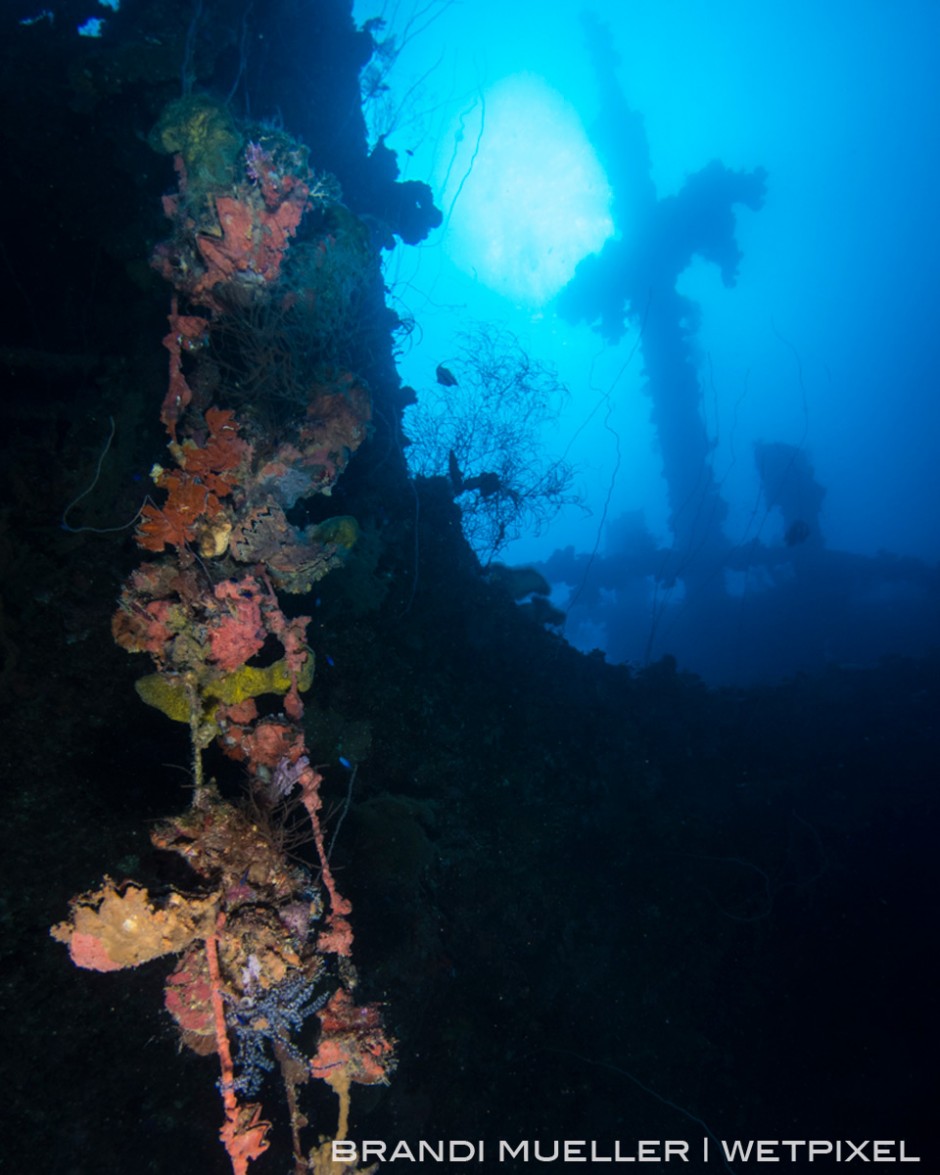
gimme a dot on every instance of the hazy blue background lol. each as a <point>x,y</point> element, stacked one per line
<point>830,339</point>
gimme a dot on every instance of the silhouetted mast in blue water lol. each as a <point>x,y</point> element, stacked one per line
<point>634,278</point>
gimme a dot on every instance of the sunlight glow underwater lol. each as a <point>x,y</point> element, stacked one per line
<point>525,195</point>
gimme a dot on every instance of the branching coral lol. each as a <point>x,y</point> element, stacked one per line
<point>485,436</point>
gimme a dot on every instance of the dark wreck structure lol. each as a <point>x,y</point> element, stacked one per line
<point>751,611</point>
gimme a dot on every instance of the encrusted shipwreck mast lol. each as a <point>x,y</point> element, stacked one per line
<point>261,944</point>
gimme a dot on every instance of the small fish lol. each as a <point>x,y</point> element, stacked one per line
<point>445,377</point>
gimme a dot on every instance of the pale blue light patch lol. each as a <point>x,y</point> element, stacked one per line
<point>93,27</point>
<point>534,201</point>
<point>114,5</point>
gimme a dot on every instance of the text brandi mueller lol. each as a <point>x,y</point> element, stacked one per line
<point>672,1150</point>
